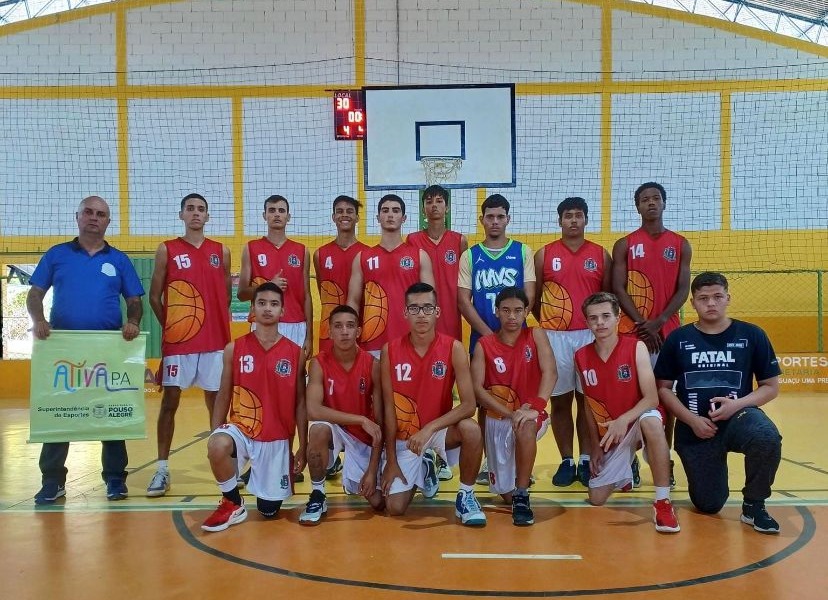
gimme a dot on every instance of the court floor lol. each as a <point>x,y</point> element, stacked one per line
<point>154,548</point>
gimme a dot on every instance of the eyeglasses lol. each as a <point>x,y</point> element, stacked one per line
<point>426,309</point>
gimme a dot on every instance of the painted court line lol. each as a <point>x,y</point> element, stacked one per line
<point>517,556</point>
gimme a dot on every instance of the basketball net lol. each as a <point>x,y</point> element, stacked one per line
<point>441,169</point>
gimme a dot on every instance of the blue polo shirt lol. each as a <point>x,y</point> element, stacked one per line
<point>87,289</point>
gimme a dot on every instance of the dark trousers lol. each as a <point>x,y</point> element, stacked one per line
<point>749,432</point>
<point>53,461</point>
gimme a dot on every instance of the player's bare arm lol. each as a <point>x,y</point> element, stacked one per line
<point>34,304</point>
<point>619,280</point>
<point>392,468</point>
<point>157,283</point>
<point>606,280</point>
<point>426,269</point>
<point>483,397</point>
<point>246,290</point>
<point>368,483</point>
<point>134,312</point>
<point>702,427</point>
<point>540,256</point>
<point>307,347</point>
<point>464,303</point>
<point>300,459</point>
<point>529,275</point>
<point>222,404</point>
<point>549,377</point>
<point>228,282</point>
<point>316,273</point>
<point>355,285</point>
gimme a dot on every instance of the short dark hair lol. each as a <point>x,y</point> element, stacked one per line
<point>433,191</point>
<point>268,286</point>
<point>391,198</point>
<point>194,196</point>
<point>512,292</point>
<point>274,199</point>
<point>343,309</point>
<point>420,288</point>
<point>573,203</point>
<point>708,278</point>
<point>495,201</point>
<point>348,200</point>
<point>601,298</point>
<point>650,184</point>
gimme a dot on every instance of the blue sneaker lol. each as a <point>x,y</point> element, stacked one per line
<point>336,468</point>
<point>467,508</point>
<point>116,489</point>
<point>50,492</point>
<point>431,483</point>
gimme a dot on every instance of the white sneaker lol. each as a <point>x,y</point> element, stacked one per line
<point>159,485</point>
<point>315,509</point>
<point>431,484</point>
<point>467,508</point>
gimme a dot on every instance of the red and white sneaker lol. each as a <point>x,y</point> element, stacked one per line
<point>664,517</point>
<point>227,514</point>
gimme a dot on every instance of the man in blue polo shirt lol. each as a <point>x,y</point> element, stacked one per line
<point>88,276</point>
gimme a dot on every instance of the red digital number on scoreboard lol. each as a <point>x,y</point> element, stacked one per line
<point>349,115</point>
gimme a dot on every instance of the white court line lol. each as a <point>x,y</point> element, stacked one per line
<point>517,556</point>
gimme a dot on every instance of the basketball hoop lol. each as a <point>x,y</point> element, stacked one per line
<point>441,169</point>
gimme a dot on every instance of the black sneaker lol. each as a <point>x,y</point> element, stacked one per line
<point>756,515</point>
<point>672,477</point>
<point>335,469</point>
<point>566,474</point>
<point>522,514</point>
<point>583,473</point>
<point>636,472</point>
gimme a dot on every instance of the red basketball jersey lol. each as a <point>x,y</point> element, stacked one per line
<point>659,260</point>
<point>203,269</point>
<point>578,275</point>
<point>263,405</point>
<point>349,391</point>
<point>333,276</point>
<point>445,260</point>
<point>515,367</point>
<point>611,388</point>
<point>266,261</point>
<point>424,383</point>
<point>393,272</point>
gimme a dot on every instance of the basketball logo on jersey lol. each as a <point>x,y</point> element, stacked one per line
<point>293,260</point>
<point>450,257</point>
<point>214,260</point>
<point>407,263</point>
<point>283,367</point>
<point>284,483</point>
<point>527,353</point>
<point>670,254</point>
<point>624,373</point>
<point>438,369</point>
<point>362,385</point>
<point>590,265</point>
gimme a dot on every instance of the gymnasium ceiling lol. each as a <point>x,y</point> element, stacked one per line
<point>802,19</point>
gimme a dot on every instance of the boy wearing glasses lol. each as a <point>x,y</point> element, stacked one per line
<point>418,371</point>
<point>513,372</point>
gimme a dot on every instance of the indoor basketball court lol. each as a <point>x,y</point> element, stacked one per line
<point>144,547</point>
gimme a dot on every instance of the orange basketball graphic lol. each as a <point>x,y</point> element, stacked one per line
<point>599,411</point>
<point>408,421</point>
<point>185,312</point>
<point>374,312</point>
<point>556,307</point>
<point>331,296</point>
<point>246,411</point>
<point>506,396</point>
<point>641,292</point>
